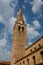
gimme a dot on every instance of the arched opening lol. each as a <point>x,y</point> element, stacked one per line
<point>27,61</point>
<point>22,29</point>
<point>19,28</point>
<point>17,64</point>
<point>31,50</point>
<point>39,45</point>
<point>41,55</point>
<point>23,62</point>
<point>35,48</point>
<point>34,60</point>
<point>20,63</point>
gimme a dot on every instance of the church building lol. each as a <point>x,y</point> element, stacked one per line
<point>32,55</point>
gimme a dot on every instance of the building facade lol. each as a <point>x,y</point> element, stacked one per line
<point>33,55</point>
<point>5,63</point>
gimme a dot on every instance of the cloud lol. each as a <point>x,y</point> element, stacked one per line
<point>11,24</point>
<point>1,18</point>
<point>7,12</point>
<point>14,3</point>
<point>5,1</point>
<point>36,24</point>
<point>23,7</point>
<point>29,43</point>
<point>31,32</point>
<point>29,1</point>
<point>5,55</point>
<point>3,42</point>
<point>37,6</point>
<point>25,19</point>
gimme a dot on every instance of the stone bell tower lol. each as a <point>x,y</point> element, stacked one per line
<point>19,38</point>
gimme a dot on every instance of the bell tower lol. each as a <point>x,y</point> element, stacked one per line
<point>19,38</point>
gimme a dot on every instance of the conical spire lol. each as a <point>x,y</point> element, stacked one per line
<point>19,16</point>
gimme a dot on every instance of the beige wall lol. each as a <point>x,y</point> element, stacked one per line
<point>38,59</point>
<point>36,53</point>
<point>33,46</point>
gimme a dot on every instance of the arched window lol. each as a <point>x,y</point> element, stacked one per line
<point>19,28</point>
<point>39,45</point>
<point>42,55</point>
<point>31,50</point>
<point>22,29</point>
<point>34,60</point>
<point>23,62</point>
<point>27,61</point>
<point>20,63</point>
<point>17,64</point>
<point>35,48</point>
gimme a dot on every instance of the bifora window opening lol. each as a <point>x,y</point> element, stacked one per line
<point>19,28</point>
<point>22,29</point>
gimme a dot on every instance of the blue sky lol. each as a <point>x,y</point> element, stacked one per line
<point>33,16</point>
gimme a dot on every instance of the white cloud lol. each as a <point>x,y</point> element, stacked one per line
<point>1,18</point>
<point>29,43</point>
<point>25,19</point>
<point>5,34</point>
<point>29,1</point>
<point>8,46</point>
<point>6,17</point>
<point>23,7</point>
<point>12,21</point>
<point>36,24</point>
<point>3,38</point>
<point>11,24</point>
<point>5,1</point>
<point>31,32</point>
<point>3,42</point>
<point>5,55</point>
<point>7,12</point>
<point>37,6</point>
<point>14,3</point>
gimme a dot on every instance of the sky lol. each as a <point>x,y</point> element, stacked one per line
<point>32,11</point>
